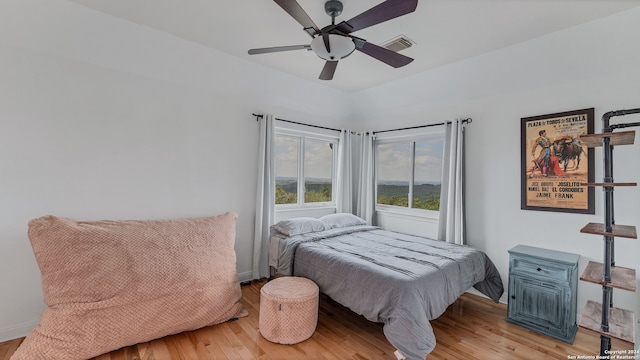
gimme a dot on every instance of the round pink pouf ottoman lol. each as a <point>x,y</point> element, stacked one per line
<point>288,309</point>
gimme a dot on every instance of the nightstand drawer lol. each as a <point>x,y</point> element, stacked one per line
<point>540,268</point>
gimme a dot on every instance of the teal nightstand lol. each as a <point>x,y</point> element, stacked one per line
<point>543,291</point>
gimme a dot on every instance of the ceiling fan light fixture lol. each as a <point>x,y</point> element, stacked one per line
<point>341,47</point>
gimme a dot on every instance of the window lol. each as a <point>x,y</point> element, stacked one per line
<point>304,168</point>
<point>287,149</point>
<point>409,172</point>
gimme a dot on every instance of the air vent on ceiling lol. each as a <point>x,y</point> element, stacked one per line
<point>398,43</point>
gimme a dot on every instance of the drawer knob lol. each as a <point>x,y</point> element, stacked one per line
<point>538,269</point>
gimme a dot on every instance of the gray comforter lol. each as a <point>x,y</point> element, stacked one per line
<point>400,280</point>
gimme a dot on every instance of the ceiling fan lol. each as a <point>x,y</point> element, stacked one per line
<point>335,42</point>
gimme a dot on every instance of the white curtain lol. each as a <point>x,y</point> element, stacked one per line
<point>344,201</point>
<point>265,202</point>
<point>452,222</point>
<point>366,188</point>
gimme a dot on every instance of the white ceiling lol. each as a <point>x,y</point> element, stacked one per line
<point>444,31</point>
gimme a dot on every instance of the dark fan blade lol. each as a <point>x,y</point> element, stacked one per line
<point>297,12</point>
<point>278,48</point>
<point>328,70</point>
<point>387,10</point>
<point>388,57</point>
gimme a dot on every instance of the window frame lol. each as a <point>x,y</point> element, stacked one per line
<point>411,136</point>
<point>303,133</point>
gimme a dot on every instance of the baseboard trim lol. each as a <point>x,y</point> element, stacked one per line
<point>17,330</point>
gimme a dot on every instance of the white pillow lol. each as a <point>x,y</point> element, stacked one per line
<point>342,220</point>
<point>301,225</point>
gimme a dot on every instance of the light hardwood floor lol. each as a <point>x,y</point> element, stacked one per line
<point>472,328</point>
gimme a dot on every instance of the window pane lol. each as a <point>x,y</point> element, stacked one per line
<point>394,170</point>
<point>318,170</point>
<point>428,174</point>
<point>286,164</point>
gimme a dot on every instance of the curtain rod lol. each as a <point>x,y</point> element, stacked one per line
<point>468,121</point>
<point>260,116</point>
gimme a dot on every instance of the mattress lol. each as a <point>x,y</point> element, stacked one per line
<point>400,280</point>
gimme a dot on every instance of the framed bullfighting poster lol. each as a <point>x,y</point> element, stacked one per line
<point>555,164</point>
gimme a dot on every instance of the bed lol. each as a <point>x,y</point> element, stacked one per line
<point>400,280</point>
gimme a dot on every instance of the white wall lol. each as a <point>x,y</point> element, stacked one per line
<point>592,65</point>
<point>103,119</point>
<point>100,118</point>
